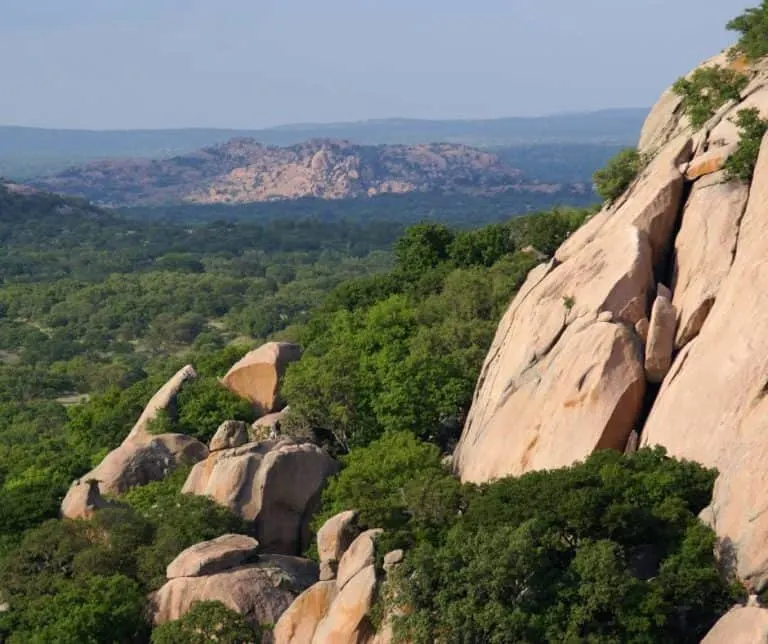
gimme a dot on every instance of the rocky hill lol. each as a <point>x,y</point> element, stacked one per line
<point>242,171</point>
<point>647,328</point>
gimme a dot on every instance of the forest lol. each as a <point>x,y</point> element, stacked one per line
<point>395,315</point>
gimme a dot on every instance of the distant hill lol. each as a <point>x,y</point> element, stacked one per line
<point>244,171</point>
<point>27,152</point>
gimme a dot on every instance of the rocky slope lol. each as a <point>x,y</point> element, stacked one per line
<point>647,327</point>
<point>243,170</point>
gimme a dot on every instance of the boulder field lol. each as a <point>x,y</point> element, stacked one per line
<point>647,328</point>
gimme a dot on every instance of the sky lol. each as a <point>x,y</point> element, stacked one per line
<point>125,64</point>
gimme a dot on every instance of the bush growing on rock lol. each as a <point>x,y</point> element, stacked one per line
<point>707,90</point>
<point>613,180</point>
<point>207,621</point>
<point>741,164</point>
<point>610,550</point>
<point>752,26</point>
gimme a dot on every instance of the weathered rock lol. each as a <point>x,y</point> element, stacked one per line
<point>661,340</point>
<point>726,132</point>
<point>605,316</point>
<point>257,376</point>
<point>275,484</point>
<point>704,250</point>
<point>583,396</point>
<point>360,554</point>
<point>663,291</point>
<point>660,123</point>
<point>347,619</point>
<point>632,443</point>
<point>712,407</point>
<point>209,557</point>
<point>392,559</point>
<point>642,326</point>
<point>651,205</point>
<point>83,499</point>
<point>268,427</point>
<point>141,458</point>
<point>231,433</point>
<point>711,161</point>
<point>163,400</point>
<point>300,621</point>
<point>740,625</point>
<point>572,384</point>
<point>333,539</point>
<point>261,591</point>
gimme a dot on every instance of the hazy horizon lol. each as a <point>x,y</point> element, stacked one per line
<point>310,124</point>
<point>178,64</point>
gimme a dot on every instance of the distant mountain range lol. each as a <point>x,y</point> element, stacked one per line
<point>28,152</point>
<point>245,171</point>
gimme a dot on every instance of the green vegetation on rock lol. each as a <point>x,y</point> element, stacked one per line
<point>613,180</point>
<point>741,164</point>
<point>207,621</point>
<point>752,27</point>
<point>610,550</point>
<point>708,89</point>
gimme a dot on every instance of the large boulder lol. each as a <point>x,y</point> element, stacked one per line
<point>274,484</point>
<point>231,433</point>
<point>338,611</point>
<point>257,376</point>
<point>142,457</point>
<point>740,625</point>
<point>300,621</point>
<point>333,539</point>
<point>260,591</point>
<point>661,339</point>
<point>208,557</point>
<point>83,499</point>
<point>571,383</point>
<point>704,250</point>
<point>712,407</point>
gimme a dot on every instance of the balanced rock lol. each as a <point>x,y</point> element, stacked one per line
<point>231,433</point>
<point>142,457</point>
<point>257,376</point>
<point>274,484</point>
<point>740,625</point>
<point>661,340</point>
<point>209,557</point>
<point>259,591</point>
<point>333,539</point>
<point>83,499</point>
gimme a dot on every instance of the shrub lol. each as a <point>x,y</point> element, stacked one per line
<point>753,27</point>
<point>396,483</point>
<point>741,164</point>
<point>207,621</point>
<point>613,180</point>
<point>610,550</point>
<point>707,90</point>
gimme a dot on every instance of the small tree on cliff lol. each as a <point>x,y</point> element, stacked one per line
<point>753,27</point>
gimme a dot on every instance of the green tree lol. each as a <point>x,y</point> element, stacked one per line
<point>740,166</point>
<point>422,247</point>
<point>707,90</point>
<point>207,621</point>
<point>612,181</point>
<point>610,550</point>
<point>752,26</point>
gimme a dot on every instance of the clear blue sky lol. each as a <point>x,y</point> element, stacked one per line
<point>254,63</point>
